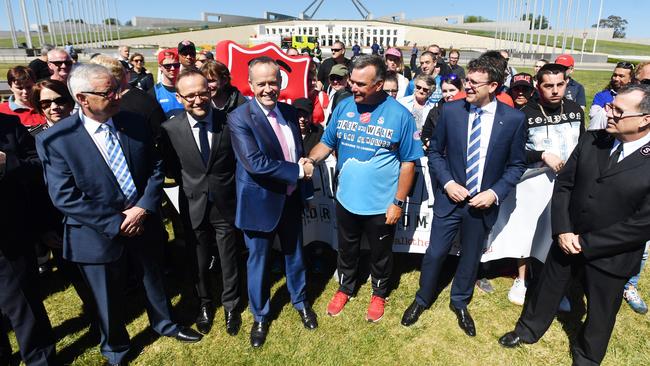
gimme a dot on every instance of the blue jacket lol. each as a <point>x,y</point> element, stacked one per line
<point>262,174</point>
<point>84,189</point>
<point>504,164</point>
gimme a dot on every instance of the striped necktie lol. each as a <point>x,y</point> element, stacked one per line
<point>473,155</point>
<point>118,165</point>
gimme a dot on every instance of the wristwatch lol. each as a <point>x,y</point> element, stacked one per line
<point>398,202</point>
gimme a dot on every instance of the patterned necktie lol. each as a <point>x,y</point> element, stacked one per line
<point>119,167</point>
<point>473,155</point>
<point>272,116</point>
<point>203,142</point>
<point>613,159</point>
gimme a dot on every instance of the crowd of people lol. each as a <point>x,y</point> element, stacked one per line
<point>86,147</point>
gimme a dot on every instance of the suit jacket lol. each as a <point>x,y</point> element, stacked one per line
<point>504,164</point>
<point>198,183</point>
<point>262,173</point>
<point>84,189</point>
<point>608,208</point>
<point>22,170</point>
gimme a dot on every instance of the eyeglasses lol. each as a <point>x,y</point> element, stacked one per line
<point>475,84</point>
<point>175,65</point>
<point>192,97</point>
<point>336,78</point>
<point>46,103</point>
<point>625,65</point>
<point>336,49</point>
<point>449,77</point>
<point>109,94</point>
<point>137,60</point>
<point>426,90</point>
<point>67,63</point>
<point>391,91</point>
<point>619,114</point>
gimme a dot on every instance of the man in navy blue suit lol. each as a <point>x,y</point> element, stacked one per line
<point>476,157</point>
<point>104,175</point>
<point>270,191</point>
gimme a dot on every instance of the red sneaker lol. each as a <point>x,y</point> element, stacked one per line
<point>337,303</point>
<point>375,309</point>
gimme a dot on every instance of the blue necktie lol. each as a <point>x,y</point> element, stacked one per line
<point>119,167</point>
<point>203,142</point>
<point>473,155</point>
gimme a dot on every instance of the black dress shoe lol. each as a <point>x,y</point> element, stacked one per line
<point>205,318</point>
<point>258,333</point>
<point>233,322</point>
<point>412,314</point>
<point>308,318</point>
<point>188,335</point>
<point>510,340</point>
<point>465,321</point>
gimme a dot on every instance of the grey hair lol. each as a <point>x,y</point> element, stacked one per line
<point>430,80</point>
<point>263,60</point>
<point>51,52</point>
<point>375,61</point>
<point>80,77</point>
<point>46,48</point>
<point>644,104</point>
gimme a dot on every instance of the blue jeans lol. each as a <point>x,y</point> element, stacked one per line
<point>634,280</point>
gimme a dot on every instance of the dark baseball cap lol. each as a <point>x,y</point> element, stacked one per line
<point>522,79</point>
<point>304,104</point>
<point>186,47</point>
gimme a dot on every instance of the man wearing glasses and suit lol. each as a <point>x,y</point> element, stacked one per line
<point>104,174</point>
<point>476,157</point>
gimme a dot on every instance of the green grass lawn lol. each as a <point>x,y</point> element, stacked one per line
<point>349,339</point>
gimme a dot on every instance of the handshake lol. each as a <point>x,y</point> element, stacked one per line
<point>307,166</point>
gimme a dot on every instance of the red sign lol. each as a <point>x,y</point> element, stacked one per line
<point>365,117</point>
<point>293,69</point>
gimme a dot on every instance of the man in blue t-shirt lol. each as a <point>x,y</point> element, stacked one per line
<point>165,90</point>
<point>376,144</point>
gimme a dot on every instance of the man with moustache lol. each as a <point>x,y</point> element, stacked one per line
<point>601,222</point>
<point>198,154</point>
<point>622,75</point>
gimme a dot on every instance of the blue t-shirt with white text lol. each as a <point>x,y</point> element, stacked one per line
<point>370,141</point>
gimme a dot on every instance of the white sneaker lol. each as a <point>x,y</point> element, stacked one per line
<point>517,293</point>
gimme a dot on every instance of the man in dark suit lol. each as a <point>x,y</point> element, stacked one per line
<point>270,191</point>
<point>476,157</point>
<point>601,222</point>
<point>104,175</point>
<point>198,154</point>
<point>20,298</point>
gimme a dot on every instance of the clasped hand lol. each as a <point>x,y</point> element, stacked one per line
<point>307,167</point>
<point>569,243</point>
<point>133,221</point>
<point>458,194</point>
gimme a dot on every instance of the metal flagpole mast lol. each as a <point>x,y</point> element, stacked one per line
<point>540,20</point>
<point>108,18</point>
<point>532,30</point>
<point>507,20</point>
<point>12,27</point>
<point>584,34</point>
<point>600,14</point>
<point>62,24</point>
<point>117,22</point>
<point>50,27</point>
<point>87,24</point>
<point>566,24</point>
<point>575,25</point>
<point>73,23</point>
<point>83,36</point>
<point>39,24</point>
<point>516,24</point>
<point>100,15</point>
<point>526,32</point>
<point>93,24</point>
<point>28,35</point>
<point>548,28</point>
<point>502,31</point>
<point>496,28</point>
<point>557,19</point>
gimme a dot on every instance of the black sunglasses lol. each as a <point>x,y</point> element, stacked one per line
<point>335,49</point>
<point>418,87</point>
<point>175,65</point>
<point>59,63</point>
<point>46,103</point>
<point>336,77</point>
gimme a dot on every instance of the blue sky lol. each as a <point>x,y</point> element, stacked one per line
<point>635,12</point>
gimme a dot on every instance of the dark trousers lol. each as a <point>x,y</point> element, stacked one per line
<point>21,303</point>
<point>351,228</point>
<point>289,230</point>
<point>443,230</point>
<point>215,230</point>
<point>604,297</point>
<point>108,283</point>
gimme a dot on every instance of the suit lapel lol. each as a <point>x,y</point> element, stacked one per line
<point>635,159</point>
<point>497,129</point>
<point>185,131</point>
<point>603,152</point>
<point>124,139</point>
<point>87,145</point>
<point>263,126</point>
<point>463,123</point>
<point>297,137</point>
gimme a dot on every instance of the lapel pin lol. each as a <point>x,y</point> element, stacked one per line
<point>500,122</point>
<point>645,151</point>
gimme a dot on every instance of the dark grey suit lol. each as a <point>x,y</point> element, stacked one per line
<point>207,199</point>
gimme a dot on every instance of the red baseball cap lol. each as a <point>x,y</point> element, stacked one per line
<point>565,60</point>
<point>168,53</point>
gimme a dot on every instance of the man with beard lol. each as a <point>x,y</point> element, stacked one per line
<point>623,75</point>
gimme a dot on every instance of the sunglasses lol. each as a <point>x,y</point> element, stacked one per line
<point>392,91</point>
<point>175,65</point>
<point>46,103</point>
<point>109,94</point>
<point>138,60</point>
<point>625,65</point>
<point>336,49</point>
<point>336,78</point>
<point>426,90</point>
<point>67,63</point>
<point>449,77</point>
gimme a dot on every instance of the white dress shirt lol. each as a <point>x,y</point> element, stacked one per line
<point>629,147</point>
<point>98,135</point>
<point>194,125</point>
<point>286,131</point>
